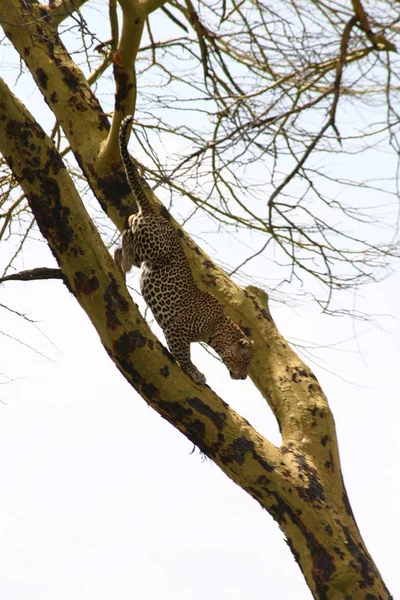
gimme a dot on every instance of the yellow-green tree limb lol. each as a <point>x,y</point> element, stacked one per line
<point>276,368</point>
<point>68,94</point>
<point>318,524</point>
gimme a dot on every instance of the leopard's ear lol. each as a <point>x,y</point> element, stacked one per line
<point>245,343</point>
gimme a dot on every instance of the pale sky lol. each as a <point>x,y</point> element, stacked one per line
<point>103,499</point>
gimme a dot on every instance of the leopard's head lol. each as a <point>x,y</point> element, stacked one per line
<point>238,356</point>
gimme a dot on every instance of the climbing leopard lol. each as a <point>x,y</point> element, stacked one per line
<point>185,313</point>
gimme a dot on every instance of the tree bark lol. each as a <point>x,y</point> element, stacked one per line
<point>299,483</point>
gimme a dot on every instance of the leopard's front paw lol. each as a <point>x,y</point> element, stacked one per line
<point>197,376</point>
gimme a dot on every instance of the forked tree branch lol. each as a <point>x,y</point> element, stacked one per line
<point>377,39</point>
<point>295,482</point>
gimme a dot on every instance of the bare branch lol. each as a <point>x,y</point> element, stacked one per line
<point>39,273</point>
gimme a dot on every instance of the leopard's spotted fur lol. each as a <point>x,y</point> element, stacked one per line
<point>185,313</point>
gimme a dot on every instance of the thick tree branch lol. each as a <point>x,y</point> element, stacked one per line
<point>276,370</point>
<point>285,481</point>
<point>95,281</point>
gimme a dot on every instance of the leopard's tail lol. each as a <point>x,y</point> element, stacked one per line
<point>131,171</point>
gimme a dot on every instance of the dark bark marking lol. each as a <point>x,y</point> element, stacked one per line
<point>323,563</point>
<point>84,284</point>
<point>237,450</point>
<point>180,415</point>
<point>164,371</point>
<point>325,439</point>
<point>53,218</point>
<point>364,568</point>
<point>54,161</point>
<point>263,481</point>
<point>53,97</point>
<point>218,418</point>
<point>128,342</point>
<point>339,552</point>
<point>23,132</point>
<point>315,491</point>
<point>70,79</point>
<point>42,78</point>
<point>114,302</point>
<point>122,86</point>
<point>175,410</point>
<point>114,187</point>
<point>347,504</point>
<point>257,495</point>
<point>150,390</point>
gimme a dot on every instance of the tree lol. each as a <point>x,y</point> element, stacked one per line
<point>259,111</point>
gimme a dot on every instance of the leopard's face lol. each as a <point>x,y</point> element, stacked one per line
<point>237,357</point>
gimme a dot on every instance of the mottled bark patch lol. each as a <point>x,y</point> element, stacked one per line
<point>314,491</point>
<point>123,86</point>
<point>323,563</point>
<point>24,133</point>
<point>84,284</point>
<point>128,342</point>
<point>53,218</point>
<point>150,390</point>
<point>114,302</point>
<point>237,450</point>
<point>346,503</point>
<point>70,79</point>
<point>257,495</point>
<point>114,188</point>
<point>42,78</point>
<point>164,371</point>
<point>264,481</point>
<point>218,418</point>
<point>54,161</point>
<point>339,552</point>
<point>364,568</point>
<point>182,416</point>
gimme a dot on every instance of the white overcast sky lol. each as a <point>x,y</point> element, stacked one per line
<point>100,498</point>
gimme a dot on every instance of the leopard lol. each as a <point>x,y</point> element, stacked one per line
<point>185,313</point>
